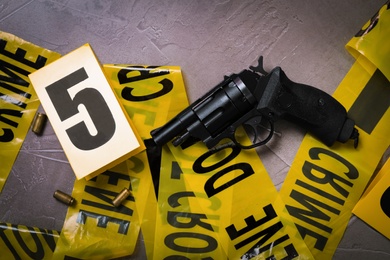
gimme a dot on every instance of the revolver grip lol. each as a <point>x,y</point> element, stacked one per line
<point>313,109</point>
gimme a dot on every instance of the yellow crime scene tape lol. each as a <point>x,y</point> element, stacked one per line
<point>22,242</point>
<point>151,95</point>
<point>201,204</point>
<point>240,202</point>
<point>93,227</point>
<point>324,184</point>
<point>183,231</point>
<point>374,206</point>
<point>18,100</point>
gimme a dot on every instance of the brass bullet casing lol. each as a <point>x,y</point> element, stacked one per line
<point>63,197</point>
<point>121,197</point>
<point>39,123</point>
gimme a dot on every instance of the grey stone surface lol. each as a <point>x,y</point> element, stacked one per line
<point>208,39</point>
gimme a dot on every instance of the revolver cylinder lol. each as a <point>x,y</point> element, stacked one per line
<point>211,114</point>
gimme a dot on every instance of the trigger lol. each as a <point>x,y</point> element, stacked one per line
<point>251,132</point>
<point>253,123</point>
<point>262,142</point>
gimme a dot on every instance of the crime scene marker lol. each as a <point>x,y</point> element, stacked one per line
<point>93,128</point>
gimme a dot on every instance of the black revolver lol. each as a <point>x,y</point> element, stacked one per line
<point>252,97</point>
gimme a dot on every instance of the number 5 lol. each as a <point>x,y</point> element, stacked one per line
<point>94,103</point>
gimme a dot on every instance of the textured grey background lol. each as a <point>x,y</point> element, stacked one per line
<point>208,39</point>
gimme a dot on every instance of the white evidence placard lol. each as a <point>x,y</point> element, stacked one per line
<point>92,126</point>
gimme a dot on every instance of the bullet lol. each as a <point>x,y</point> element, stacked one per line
<point>39,123</point>
<point>63,197</point>
<point>121,197</point>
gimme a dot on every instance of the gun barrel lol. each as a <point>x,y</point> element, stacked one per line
<point>174,127</point>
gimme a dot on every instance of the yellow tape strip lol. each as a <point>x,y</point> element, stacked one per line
<point>94,228</point>
<point>374,206</point>
<point>372,40</point>
<point>151,95</point>
<point>240,202</point>
<point>22,242</point>
<point>324,184</point>
<point>182,229</point>
<point>18,100</point>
